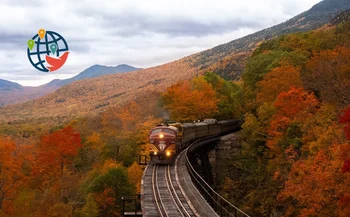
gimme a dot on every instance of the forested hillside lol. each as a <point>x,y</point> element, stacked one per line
<point>78,169</point>
<point>13,93</point>
<point>341,18</point>
<point>92,96</point>
<point>294,162</point>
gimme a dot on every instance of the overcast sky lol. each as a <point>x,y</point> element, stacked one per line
<point>140,33</point>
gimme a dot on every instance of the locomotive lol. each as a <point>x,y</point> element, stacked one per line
<point>166,141</point>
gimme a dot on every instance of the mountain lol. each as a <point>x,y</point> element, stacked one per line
<point>12,93</point>
<point>92,72</point>
<point>9,86</point>
<point>341,18</point>
<point>234,52</point>
<point>91,96</point>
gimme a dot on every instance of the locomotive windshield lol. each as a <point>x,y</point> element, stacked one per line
<point>169,131</point>
<point>156,131</point>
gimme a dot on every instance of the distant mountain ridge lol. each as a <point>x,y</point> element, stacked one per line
<point>209,60</point>
<point>9,85</point>
<point>11,93</point>
<point>88,97</point>
<point>92,72</point>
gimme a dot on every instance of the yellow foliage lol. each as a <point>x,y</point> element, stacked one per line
<point>108,164</point>
<point>135,175</point>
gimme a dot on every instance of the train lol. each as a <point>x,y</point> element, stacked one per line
<point>167,140</point>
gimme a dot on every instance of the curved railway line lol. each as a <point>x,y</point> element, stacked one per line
<point>168,196</point>
<point>174,190</point>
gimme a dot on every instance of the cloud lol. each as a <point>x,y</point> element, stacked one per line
<point>139,33</point>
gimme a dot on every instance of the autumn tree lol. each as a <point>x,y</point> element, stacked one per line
<point>293,135</point>
<point>108,187</point>
<point>10,173</point>
<point>90,153</point>
<point>292,108</point>
<point>345,120</point>
<point>328,74</point>
<point>229,97</point>
<point>127,130</point>
<point>259,65</point>
<point>344,201</point>
<point>190,100</point>
<point>55,155</point>
<point>278,80</point>
<point>134,175</point>
<point>316,183</point>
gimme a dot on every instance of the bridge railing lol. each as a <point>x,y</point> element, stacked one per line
<point>219,204</point>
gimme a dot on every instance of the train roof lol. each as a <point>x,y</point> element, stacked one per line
<point>229,122</point>
<point>210,121</point>
<point>166,127</point>
<point>200,124</point>
<point>188,125</point>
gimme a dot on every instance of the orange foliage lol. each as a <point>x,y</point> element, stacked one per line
<point>278,80</point>
<point>292,106</point>
<point>55,153</point>
<point>190,100</point>
<point>128,116</point>
<point>106,202</point>
<point>295,103</point>
<point>316,182</point>
<point>10,173</point>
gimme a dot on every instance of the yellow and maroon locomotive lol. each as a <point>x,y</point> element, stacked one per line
<point>166,141</point>
<point>163,144</point>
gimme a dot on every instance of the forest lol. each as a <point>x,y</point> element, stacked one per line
<point>295,160</point>
<point>294,98</point>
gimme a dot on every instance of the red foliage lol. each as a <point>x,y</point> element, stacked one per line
<point>106,202</point>
<point>346,166</point>
<point>10,173</point>
<point>316,183</point>
<point>345,119</point>
<point>294,105</point>
<point>344,203</point>
<point>55,152</point>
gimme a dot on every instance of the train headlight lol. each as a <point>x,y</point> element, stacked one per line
<point>161,136</point>
<point>155,153</point>
<point>168,153</point>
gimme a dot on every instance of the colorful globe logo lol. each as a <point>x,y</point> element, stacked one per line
<point>47,51</point>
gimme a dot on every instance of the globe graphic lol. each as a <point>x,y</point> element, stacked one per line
<point>37,54</point>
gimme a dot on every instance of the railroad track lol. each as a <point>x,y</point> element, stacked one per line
<point>163,195</point>
<point>167,195</point>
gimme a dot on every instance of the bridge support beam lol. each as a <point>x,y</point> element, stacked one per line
<point>206,167</point>
<point>200,161</point>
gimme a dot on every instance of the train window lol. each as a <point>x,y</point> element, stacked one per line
<point>156,131</point>
<point>169,131</point>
